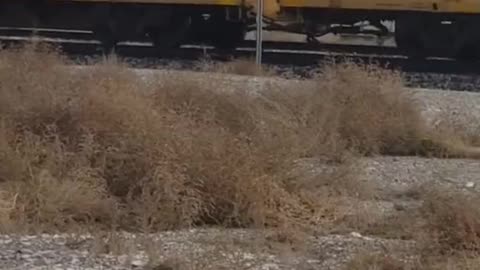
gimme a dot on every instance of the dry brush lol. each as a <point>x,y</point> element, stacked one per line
<point>101,147</point>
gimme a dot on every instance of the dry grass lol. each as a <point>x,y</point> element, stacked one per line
<point>446,229</point>
<point>107,150</point>
<point>452,222</point>
<point>237,66</point>
<point>449,263</point>
<point>96,149</point>
<point>104,148</point>
<point>365,261</point>
<point>97,137</point>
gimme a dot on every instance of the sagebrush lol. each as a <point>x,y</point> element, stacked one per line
<point>103,147</point>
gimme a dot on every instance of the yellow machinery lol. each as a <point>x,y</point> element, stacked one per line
<point>422,27</point>
<point>449,6</point>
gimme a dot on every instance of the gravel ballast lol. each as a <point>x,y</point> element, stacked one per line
<point>191,249</point>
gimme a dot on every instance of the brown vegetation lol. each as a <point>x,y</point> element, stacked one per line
<point>446,229</point>
<point>104,148</point>
<point>452,221</point>
<point>365,261</point>
<point>449,237</point>
<point>235,66</point>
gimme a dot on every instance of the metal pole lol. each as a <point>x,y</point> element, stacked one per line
<point>259,32</point>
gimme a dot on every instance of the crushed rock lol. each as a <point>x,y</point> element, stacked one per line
<point>200,249</point>
<point>402,174</point>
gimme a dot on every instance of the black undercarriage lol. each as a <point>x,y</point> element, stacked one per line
<point>167,26</point>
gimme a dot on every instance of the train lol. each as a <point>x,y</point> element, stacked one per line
<point>423,28</point>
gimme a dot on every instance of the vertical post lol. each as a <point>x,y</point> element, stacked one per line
<point>259,32</point>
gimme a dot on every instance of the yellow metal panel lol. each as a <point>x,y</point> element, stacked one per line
<point>459,6</point>
<point>455,6</point>
<point>270,7</point>
<point>359,4</point>
<point>182,2</point>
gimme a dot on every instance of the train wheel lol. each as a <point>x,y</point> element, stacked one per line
<point>229,35</point>
<point>19,14</point>
<point>218,32</point>
<point>105,27</point>
<point>467,44</point>
<point>172,34</point>
<point>470,50</point>
<point>107,38</point>
<point>423,37</point>
<point>407,37</point>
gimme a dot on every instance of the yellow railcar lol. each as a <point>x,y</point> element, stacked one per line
<point>422,27</point>
<point>449,6</point>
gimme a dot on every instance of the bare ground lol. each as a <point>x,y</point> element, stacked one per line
<point>192,249</point>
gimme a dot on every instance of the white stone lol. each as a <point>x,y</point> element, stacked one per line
<point>270,266</point>
<point>470,185</point>
<point>356,234</point>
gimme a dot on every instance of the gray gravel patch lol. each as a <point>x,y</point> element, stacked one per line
<point>392,175</point>
<point>197,248</point>
<point>443,81</point>
<point>459,108</point>
<point>402,174</point>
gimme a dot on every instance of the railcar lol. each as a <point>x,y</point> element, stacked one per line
<point>167,23</point>
<point>422,27</point>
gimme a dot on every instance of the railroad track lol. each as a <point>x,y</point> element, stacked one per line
<point>285,56</point>
<point>86,36</point>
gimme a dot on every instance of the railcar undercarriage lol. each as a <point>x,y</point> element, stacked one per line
<point>415,34</point>
<point>167,26</point>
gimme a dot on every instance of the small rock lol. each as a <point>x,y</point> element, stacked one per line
<point>122,259</point>
<point>470,185</point>
<point>399,207</point>
<point>248,256</point>
<point>270,266</point>
<point>138,263</point>
<point>356,234</point>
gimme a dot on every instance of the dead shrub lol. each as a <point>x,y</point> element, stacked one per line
<point>360,108</point>
<point>455,140</point>
<point>7,206</point>
<point>446,229</point>
<point>375,114</point>
<point>452,223</point>
<point>94,148</point>
<point>449,263</point>
<point>235,66</point>
<point>104,147</point>
<point>365,261</point>
<point>55,187</point>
